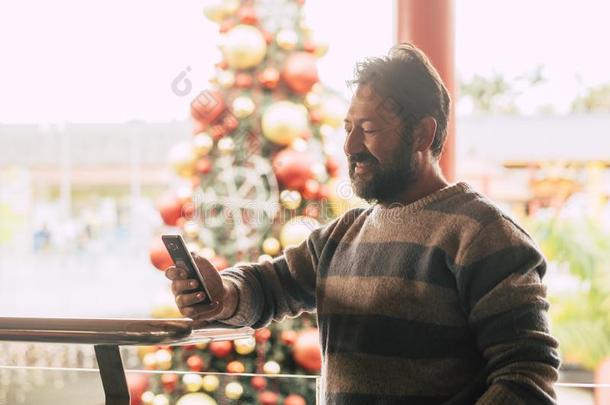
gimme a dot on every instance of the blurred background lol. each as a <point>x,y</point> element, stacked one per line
<point>95,95</point>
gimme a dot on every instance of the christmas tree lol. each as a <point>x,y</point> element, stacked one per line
<point>259,174</point>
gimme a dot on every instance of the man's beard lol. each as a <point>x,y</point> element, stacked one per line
<point>383,183</point>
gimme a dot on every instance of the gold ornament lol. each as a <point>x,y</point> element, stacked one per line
<point>225,79</point>
<point>245,346</point>
<point>147,398</point>
<point>202,144</point>
<point>287,39</point>
<point>184,193</point>
<point>321,48</point>
<point>312,100</point>
<point>243,47</point>
<point>150,361</point>
<point>299,145</point>
<point>164,359</point>
<point>290,199</point>
<point>243,106</point>
<point>271,367</point>
<point>210,383</point>
<point>326,131</point>
<point>182,158</point>
<point>234,390</point>
<point>202,345</point>
<point>192,382</point>
<point>196,398</point>
<point>226,146</point>
<point>160,400</point>
<point>271,246</point>
<point>333,111</point>
<point>191,229</point>
<point>342,198</point>
<point>144,350</point>
<point>207,253</point>
<point>264,258</point>
<point>297,230</point>
<point>284,121</point>
<point>164,312</point>
<point>217,10</point>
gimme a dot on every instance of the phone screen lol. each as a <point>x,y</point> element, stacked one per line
<point>179,253</point>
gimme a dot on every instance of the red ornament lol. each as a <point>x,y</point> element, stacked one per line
<point>222,65</point>
<point>309,46</point>
<point>300,72</point>
<point>203,165</point>
<point>180,222</point>
<point>294,399</point>
<point>159,256</point>
<point>268,398</point>
<point>311,189</point>
<point>207,107</point>
<point>170,208</point>
<point>323,192</point>
<point>188,209</point>
<point>307,352</point>
<point>288,337</point>
<point>268,36</point>
<point>221,348</point>
<point>236,367</point>
<point>247,15</point>
<point>219,262</point>
<point>137,384</point>
<point>262,335</point>
<point>243,80</point>
<point>332,166</point>
<point>229,122</point>
<point>217,131</point>
<point>195,363</point>
<point>226,25</point>
<point>293,168</point>
<point>169,382</point>
<point>269,78</point>
<point>315,116</point>
<point>258,383</point>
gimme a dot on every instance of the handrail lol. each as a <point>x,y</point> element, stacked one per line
<point>114,331</point>
<point>107,334</point>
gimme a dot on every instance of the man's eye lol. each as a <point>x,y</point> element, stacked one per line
<point>369,131</point>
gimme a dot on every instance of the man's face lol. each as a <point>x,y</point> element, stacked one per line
<point>377,147</point>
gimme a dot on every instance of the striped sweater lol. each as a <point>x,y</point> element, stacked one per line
<point>436,302</point>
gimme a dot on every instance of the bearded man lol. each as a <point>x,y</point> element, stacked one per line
<point>432,295</point>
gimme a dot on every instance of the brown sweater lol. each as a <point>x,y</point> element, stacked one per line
<point>436,302</point>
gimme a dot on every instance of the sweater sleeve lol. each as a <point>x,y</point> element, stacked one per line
<point>500,289</point>
<point>285,286</point>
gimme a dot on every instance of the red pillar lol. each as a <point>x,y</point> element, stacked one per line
<point>429,25</point>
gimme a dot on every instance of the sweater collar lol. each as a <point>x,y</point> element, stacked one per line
<point>397,209</point>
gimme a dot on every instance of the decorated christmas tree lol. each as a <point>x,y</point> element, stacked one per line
<point>259,174</point>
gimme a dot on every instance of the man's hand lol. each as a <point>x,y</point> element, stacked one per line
<point>222,294</point>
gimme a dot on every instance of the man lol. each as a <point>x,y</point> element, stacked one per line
<point>430,296</point>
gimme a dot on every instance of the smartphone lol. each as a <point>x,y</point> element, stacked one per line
<point>177,250</point>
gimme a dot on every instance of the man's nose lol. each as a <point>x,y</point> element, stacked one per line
<point>353,142</point>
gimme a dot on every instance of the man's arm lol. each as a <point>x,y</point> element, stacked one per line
<point>499,281</point>
<point>285,286</point>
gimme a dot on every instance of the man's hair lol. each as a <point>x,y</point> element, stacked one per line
<point>410,86</point>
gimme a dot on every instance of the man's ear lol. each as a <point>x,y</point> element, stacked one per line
<point>424,134</point>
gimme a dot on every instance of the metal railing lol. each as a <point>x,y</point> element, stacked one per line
<point>107,334</point>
